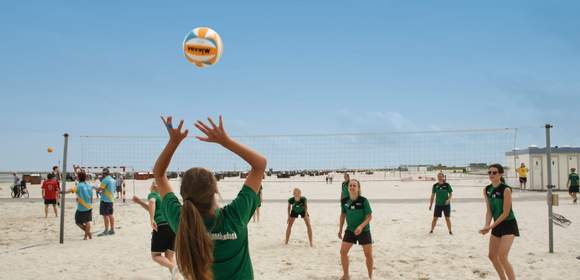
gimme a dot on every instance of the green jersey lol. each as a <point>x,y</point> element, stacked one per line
<point>158,217</point>
<point>495,198</point>
<point>298,206</point>
<point>574,180</point>
<point>442,193</point>
<point>344,192</point>
<point>356,212</point>
<point>229,231</point>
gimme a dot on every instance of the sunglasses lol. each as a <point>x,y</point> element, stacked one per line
<point>492,172</point>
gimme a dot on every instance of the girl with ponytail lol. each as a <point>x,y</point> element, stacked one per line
<point>211,242</point>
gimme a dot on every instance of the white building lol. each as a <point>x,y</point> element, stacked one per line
<point>535,159</point>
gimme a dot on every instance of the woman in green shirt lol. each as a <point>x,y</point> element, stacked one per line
<point>498,201</point>
<point>356,210</point>
<point>297,206</point>
<point>211,241</point>
<point>162,237</point>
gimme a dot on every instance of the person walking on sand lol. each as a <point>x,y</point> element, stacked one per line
<point>573,185</point>
<point>523,174</point>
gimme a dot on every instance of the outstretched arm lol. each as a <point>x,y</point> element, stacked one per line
<point>137,200</point>
<point>217,134</point>
<point>162,163</point>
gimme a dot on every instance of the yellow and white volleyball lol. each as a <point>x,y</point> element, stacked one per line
<point>203,47</point>
<point>49,150</point>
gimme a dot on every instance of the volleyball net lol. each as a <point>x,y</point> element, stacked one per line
<point>463,151</point>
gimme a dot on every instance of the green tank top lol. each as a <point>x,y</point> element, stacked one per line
<point>495,198</point>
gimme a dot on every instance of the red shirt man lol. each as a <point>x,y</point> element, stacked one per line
<point>50,189</point>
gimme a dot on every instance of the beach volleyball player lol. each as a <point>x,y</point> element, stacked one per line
<point>298,207</point>
<point>162,237</point>
<point>441,193</point>
<point>211,241</point>
<point>356,210</point>
<point>504,229</point>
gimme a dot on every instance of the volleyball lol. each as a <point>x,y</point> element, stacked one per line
<point>202,46</point>
<point>49,150</point>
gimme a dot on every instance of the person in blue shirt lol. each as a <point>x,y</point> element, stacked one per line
<point>84,213</point>
<point>107,189</point>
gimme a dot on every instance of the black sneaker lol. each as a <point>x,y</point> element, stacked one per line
<point>104,233</point>
<point>111,232</point>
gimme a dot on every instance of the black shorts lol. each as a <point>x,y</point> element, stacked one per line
<point>106,208</point>
<point>49,201</point>
<point>163,239</point>
<point>119,188</point>
<point>82,217</point>
<point>574,189</point>
<point>364,238</point>
<point>445,209</point>
<point>523,180</point>
<point>506,228</point>
<point>295,215</point>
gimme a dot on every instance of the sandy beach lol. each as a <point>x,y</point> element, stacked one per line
<point>403,249</point>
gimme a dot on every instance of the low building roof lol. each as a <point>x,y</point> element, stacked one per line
<point>540,151</point>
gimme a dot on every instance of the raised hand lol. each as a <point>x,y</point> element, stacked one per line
<point>215,133</point>
<point>175,134</point>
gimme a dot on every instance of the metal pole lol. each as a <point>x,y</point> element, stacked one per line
<point>63,188</point>
<point>549,158</point>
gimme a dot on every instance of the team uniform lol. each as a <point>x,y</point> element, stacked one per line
<point>574,183</point>
<point>109,186</point>
<point>229,231</point>
<point>298,207</point>
<point>495,198</point>
<point>84,213</point>
<point>164,238</point>
<point>51,189</point>
<point>523,173</point>
<point>356,212</point>
<point>344,191</point>
<point>442,193</point>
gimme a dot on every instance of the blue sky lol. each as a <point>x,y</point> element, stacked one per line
<point>111,67</point>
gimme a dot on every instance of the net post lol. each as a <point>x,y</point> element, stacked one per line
<point>63,188</point>
<point>550,187</point>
